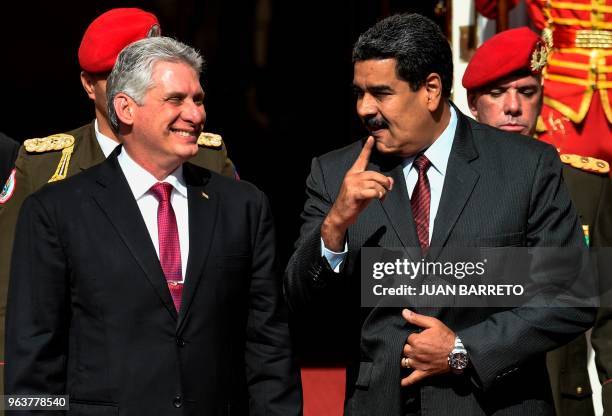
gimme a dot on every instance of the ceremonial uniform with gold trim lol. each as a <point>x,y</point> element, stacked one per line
<point>590,189</point>
<point>577,111</point>
<point>577,118</point>
<point>36,166</point>
<point>591,192</point>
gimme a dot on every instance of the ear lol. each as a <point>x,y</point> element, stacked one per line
<point>433,88</point>
<point>125,108</point>
<point>472,98</point>
<point>88,85</point>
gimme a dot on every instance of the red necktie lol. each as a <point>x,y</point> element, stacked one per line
<point>169,246</point>
<point>420,200</point>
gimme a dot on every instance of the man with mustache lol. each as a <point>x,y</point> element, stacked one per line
<point>509,97</point>
<point>429,179</point>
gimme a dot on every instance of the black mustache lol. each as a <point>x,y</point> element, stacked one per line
<point>375,123</point>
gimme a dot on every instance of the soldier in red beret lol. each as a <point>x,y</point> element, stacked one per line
<point>576,115</point>
<point>505,91</point>
<point>58,156</point>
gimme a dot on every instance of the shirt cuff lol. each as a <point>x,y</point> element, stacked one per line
<point>333,258</point>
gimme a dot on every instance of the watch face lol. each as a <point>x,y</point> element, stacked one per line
<point>458,361</point>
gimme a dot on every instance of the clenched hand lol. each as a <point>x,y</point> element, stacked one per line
<point>359,187</point>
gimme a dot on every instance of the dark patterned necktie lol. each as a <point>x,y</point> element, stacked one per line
<point>420,201</point>
<point>169,245</point>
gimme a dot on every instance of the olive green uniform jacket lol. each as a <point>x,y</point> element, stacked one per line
<point>33,170</point>
<point>567,366</point>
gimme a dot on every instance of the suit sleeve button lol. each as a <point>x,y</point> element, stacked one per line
<point>177,402</point>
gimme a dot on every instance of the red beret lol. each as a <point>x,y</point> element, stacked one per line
<point>109,33</point>
<point>488,8</point>
<point>504,54</point>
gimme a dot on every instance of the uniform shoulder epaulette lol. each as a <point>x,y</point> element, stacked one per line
<point>589,164</point>
<point>50,143</point>
<point>210,140</point>
<point>55,142</point>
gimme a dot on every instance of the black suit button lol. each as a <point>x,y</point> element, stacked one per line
<point>177,402</point>
<point>180,342</point>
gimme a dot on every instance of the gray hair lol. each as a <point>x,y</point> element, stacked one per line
<point>133,70</point>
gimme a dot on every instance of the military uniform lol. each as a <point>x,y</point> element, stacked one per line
<point>588,182</point>
<point>8,154</point>
<point>577,111</point>
<point>577,118</point>
<point>590,189</point>
<point>37,167</point>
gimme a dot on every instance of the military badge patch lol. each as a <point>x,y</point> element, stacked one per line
<point>539,57</point>
<point>9,188</point>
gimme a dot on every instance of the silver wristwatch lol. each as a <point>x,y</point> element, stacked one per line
<point>458,357</point>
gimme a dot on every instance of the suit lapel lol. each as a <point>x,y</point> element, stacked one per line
<point>203,205</point>
<point>459,182</point>
<point>117,201</point>
<point>397,203</point>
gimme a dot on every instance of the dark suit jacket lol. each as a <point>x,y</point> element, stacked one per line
<point>35,169</point>
<point>500,190</point>
<point>8,154</point>
<point>90,315</point>
<point>591,193</point>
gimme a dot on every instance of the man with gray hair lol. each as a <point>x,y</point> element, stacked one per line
<point>59,156</point>
<point>155,287</point>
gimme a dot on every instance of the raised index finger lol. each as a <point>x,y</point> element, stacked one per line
<point>361,163</point>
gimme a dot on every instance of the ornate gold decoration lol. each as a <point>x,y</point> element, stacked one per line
<point>587,24</point>
<point>62,167</point>
<point>210,140</point>
<point>556,123</point>
<point>567,111</point>
<point>49,143</point>
<point>540,126</point>
<point>589,164</point>
<point>581,6</point>
<point>594,39</point>
<point>539,57</point>
<point>547,37</point>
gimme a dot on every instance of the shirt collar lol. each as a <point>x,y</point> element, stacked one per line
<point>140,180</point>
<point>439,151</point>
<point>106,143</point>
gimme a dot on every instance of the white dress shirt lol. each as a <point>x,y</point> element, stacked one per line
<point>106,143</point>
<point>140,182</point>
<point>438,154</point>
